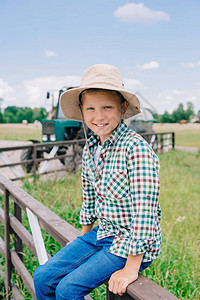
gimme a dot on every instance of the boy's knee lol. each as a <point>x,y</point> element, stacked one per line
<point>68,290</point>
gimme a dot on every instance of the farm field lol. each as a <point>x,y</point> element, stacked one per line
<point>20,132</point>
<point>177,269</point>
<point>187,135</point>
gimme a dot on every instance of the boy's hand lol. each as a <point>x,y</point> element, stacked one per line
<point>119,280</point>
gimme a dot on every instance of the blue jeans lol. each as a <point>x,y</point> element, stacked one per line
<point>78,268</point>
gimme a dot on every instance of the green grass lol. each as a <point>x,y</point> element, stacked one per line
<point>20,134</point>
<point>187,138</point>
<point>178,268</point>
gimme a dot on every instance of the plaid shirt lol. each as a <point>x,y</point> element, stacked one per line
<point>124,198</point>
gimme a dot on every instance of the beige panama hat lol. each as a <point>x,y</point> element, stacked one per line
<point>101,76</point>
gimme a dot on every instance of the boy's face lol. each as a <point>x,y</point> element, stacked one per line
<point>101,110</point>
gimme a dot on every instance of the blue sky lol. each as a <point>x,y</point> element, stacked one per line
<point>46,45</point>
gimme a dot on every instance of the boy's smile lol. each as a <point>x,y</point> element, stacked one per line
<point>101,110</point>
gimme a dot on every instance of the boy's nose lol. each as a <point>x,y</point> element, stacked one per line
<point>99,116</point>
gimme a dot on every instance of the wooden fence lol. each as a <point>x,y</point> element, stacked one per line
<point>160,142</point>
<point>61,231</point>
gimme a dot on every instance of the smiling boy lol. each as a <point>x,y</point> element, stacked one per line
<point>120,188</point>
<point>102,111</point>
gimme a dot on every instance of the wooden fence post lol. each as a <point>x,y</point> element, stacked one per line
<point>173,140</point>
<point>161,143</point>
<point>34,160</point>
<point>7,245</point>
<point>18,241</point>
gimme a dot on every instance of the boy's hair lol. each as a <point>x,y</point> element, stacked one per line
<point>88,91</point>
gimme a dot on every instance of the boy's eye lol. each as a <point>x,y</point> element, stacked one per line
<point>90,108</point>
<point>108,107</point>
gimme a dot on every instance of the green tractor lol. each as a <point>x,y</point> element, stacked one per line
<point>54,129</point>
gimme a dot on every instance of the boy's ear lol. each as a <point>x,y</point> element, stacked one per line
<point>126,105</point>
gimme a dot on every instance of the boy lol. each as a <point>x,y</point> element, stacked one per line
<point>120,189</point>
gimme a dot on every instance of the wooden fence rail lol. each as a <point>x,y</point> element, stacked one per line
<point>61,231</point>
<point>160,142</point>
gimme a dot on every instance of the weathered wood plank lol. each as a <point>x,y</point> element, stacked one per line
<point>144,288</point>
<point>15,293</point>
<point>20,268</point>
<point>22,232</point>
<point>2,216</point>
<point>2,247</point>
<point>88,298</point>
<point>58,228</point>
<point>23,272</point>
<point>7,245</point>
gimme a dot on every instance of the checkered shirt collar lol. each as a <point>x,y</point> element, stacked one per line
<point>94,139</point>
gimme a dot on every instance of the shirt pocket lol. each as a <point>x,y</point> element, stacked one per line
<point>117,205</point>
<point>117,186</point>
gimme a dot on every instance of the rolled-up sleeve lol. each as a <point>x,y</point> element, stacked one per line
<point>143,172</point>
<point>87,213</point>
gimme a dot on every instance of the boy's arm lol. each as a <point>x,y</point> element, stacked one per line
<point>121,279</point>
<point>86,228</point>
<point>144,186</point>
<point>87,213</point>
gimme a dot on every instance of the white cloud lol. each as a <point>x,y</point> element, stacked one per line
<point>132,13</point>
<point>191,65</point>
<point>5,89</point>
<point>6,93</point>
<point>50,53</point>
<point>33,92</point>
<point>148,66</point>
<point>132,84</point>
<point>170,99</point>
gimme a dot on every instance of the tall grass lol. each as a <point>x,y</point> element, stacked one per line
<point>177,269</point>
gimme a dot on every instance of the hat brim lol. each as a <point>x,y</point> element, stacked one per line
<point>69,103</point>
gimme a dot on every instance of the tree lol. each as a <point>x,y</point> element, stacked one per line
<point>189,111</point>
<point>39,114</point>
<point>11,109</point>
<point>1,117</point>
<point>20,116</point>
<point>178,114</point>
<point>28,115</point>
<point>165,118</point>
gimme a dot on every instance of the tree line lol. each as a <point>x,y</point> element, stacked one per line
<point>178,114</point>
<point>15,114</point>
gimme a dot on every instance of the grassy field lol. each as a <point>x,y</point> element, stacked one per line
<point>20,132</point>
<point>178,268</point>
<point>187,135</point>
